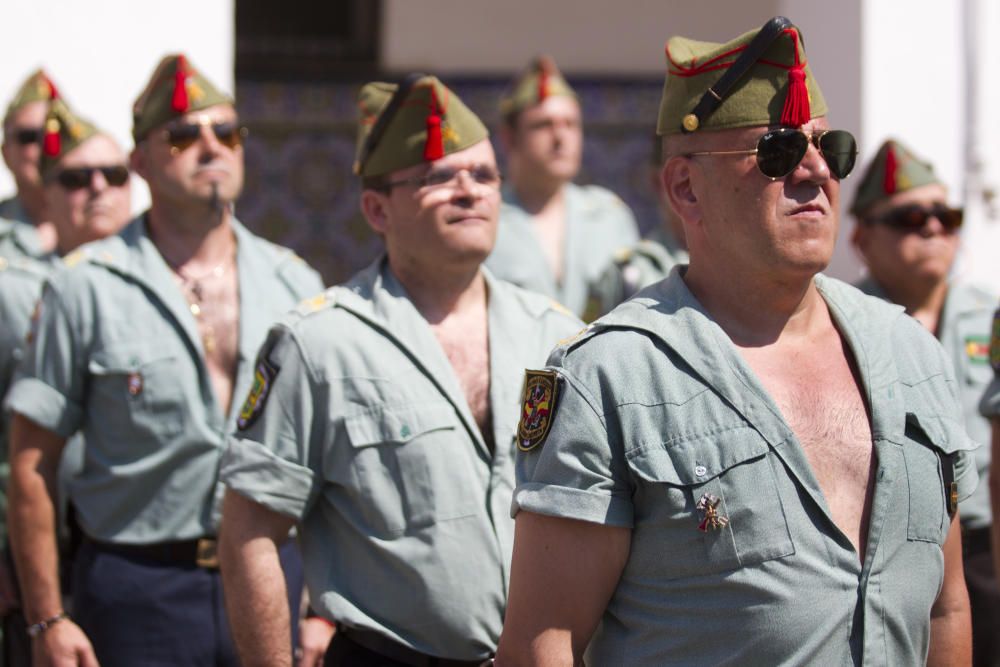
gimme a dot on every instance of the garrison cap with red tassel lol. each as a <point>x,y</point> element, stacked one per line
<point>541,80</point>
<point>895,168</point>
<point>422,121</point>
<point>760,78</point>
<point>64,131</point>
<point>176,88</point>
<point>36,88</point>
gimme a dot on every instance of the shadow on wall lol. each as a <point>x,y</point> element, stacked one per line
<point>300,191</point>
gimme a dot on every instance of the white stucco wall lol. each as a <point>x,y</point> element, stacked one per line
<point>100,53</point>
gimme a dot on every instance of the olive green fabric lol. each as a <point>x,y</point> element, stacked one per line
<point>541,79</point>
<point>757,99</point>
<point>165,95</point>
<point>36,88</point>
<point>658,408</point>
<point>117,355</point>
<point>895,168</point>
<point>367,440</point>
<point>72,130</point>
<point>404,140</point>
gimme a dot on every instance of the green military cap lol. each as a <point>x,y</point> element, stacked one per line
<point>36,88</point>
<point>894,169</point>
<point>760,78</point>
<point>64,131</point>
<point>419,121</point>
<point>176,88</point>
<point>540,80</point>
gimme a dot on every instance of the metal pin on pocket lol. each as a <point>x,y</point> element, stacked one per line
<point>710,517</point>
<point>134,383</point>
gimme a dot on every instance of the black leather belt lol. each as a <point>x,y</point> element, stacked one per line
<point>201,552</point>
<point>383,646</point>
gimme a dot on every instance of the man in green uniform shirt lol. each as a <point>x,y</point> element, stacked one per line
<point>646,262</point>
<point>87,194</point>
<point>140,344</point>
<point>382,416</point>
<point>908,235</point>
<point>28,232</point>
<point>747,463</point>
<point>554,237</point>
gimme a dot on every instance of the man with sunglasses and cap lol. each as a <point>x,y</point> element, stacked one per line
<point>748,462</point>
<point>24,229</point>
<point>554,237</point>
<point>140,344</point>
<point>86,182</point>
<point>907,236</point>
<point>382,417</point>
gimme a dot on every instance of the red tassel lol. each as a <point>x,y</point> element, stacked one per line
<point>891,165</point>
<point>796,111</point>
<point>53,93</point>
<point>434,146</point>
<point>52,143</point>
<point>543,84</point>
<point>179,100</point>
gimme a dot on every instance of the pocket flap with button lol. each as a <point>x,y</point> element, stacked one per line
<point>398,424</point>
<point>698,459</point>
<point>127,357</point>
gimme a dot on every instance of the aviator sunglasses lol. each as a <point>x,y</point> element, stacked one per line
<point>184,135</point>
<point>76,178</point>
<point>913,217</point>
<point>780,151</point>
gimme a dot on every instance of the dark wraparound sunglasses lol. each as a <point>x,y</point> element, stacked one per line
<point>913,217</point>
<point>184,135</point>
<point>781,150</point>
<point>75,178</point>
<point>28,135</point>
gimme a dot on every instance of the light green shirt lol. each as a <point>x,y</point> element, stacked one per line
<point>598,222</point>
<point>657,409</point>
<point>117,355</point>
<point>964,332</point>
<point>365,437</point>
<point>19,239</point>
<point>632,268</point>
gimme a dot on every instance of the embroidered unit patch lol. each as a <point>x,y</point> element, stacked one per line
<point>538,404</point>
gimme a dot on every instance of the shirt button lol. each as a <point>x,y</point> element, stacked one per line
<point>700,471</point>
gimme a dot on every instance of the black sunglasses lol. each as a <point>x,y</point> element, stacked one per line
<point>184,135</point>
<point>913,217</point>
<point>75,178</point>
<point>28,135</point>
<point>780,151</point>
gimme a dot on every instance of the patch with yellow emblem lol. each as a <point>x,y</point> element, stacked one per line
<point>977,349</point>
<point>264,374</point>
<point>538,405</point>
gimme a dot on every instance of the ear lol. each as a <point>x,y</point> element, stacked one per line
<point>137,161</point>
<point>676,181</point>
<point>507,136</point>
<point>375,208</point>
<point>5,149</point>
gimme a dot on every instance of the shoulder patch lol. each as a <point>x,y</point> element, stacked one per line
<point>995,344</point>
<point>264,374</point>
<point>538,404</point>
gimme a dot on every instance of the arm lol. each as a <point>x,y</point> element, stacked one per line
<point>31,514</point>
<point>951,625</point>
<point>563,574</point>
<point>994,482</point>
<point>253,581</point>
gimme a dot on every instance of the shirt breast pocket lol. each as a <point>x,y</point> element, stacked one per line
<point>731,474</point>
<point>408,467</point>
<point>928,451</point>
<point>134,393</point>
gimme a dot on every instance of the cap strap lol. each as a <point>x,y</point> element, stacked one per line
<point>715,95</point>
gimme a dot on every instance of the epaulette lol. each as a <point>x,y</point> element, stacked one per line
<point>321,301</point>
<point>623,255</point>
<point>559,308</point>
<point>74,258</point>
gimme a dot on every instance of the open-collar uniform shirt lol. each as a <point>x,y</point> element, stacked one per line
<point>657,409</point>
<point>359,430</point>
<point>598,223</point>
<point>116,354</point>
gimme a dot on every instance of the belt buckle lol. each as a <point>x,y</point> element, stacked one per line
<point>207,554</point>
